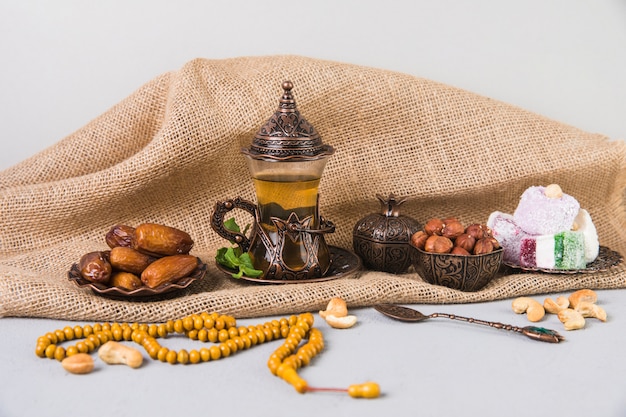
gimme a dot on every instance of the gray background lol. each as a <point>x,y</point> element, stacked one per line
<point>64,62</point>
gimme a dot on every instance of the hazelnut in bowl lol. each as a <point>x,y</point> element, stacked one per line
<point>449,254</point>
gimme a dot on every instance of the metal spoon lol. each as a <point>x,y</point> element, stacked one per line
<point>407,314</point>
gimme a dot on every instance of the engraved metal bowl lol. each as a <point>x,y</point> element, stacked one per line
<point>459,272</point>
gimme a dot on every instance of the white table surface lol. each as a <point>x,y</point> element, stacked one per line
<point>438,367</point>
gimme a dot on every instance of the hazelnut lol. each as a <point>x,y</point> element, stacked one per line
<point>434,227</point>
<point>465,241</point>
<point>438,244</point>
<point>475,230</point>
<point>483,246</point>
<point>452,229</point>
<point>457,250</point>
<point>486,230</point>
<point>418,239</point>
<point>494,242</point>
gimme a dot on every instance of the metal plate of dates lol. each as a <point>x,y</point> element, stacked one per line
<point>102,289</point>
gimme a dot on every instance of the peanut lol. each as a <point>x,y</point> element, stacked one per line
<point>80,363</point>
<point>115,353</point>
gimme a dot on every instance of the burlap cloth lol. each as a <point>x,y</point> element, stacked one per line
<point>171,150</point>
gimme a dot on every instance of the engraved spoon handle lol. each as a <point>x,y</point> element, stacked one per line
<point>536,333</point>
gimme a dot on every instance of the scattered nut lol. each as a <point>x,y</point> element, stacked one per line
<point>344,322</point>
<point>534,311</point>
<point>571,319</point>
<point>336,307</point>
<point>582,295</point>
<point>591,310</point>
<point>80,363</point>
<point>554,306</point>
<point>114,353</point>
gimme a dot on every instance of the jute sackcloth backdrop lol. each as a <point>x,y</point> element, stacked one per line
<point>171,150</point>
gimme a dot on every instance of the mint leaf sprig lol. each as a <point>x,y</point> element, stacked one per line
<point>233,258</point>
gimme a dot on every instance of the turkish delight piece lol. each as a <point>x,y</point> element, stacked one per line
<point>528,252</point>
<point>545,210</point>
<point>545,251</point>
<point>570,250</point>
<point>508,234</point>
<point>584,225</point>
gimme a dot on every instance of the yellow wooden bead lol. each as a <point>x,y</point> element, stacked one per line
<point>49,352</point>
<point>183,357</point>
<point>216,353</point>
<point>188,323</point>
<point>224,350</point>
<point>162,354</point>
<point>205,354</point>
<point>78,332</point>
<point>198,323</point>
<point>171,357</point>
<point>69,333</point>
<point>59,353</point>
<point>194,356</point>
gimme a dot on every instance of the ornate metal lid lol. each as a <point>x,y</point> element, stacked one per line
<point>287,135</point>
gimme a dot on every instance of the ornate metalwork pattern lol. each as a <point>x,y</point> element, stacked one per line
<point>466,273</point>
<point>382,239</point>
<point>287,135</point>
<point>407,314</point>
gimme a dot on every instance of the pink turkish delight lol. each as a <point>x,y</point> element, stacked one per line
<point>508,234</point>
<point>540,213</point>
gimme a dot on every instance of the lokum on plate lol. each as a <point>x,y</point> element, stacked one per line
<point>548,230</point>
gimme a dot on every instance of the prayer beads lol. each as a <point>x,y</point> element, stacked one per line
<point>221,330</point>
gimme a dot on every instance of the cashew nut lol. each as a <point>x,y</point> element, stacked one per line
<point>571,319</point>
<point>80,363</point>
<point>344,322</point>
<point>554,306</point>
<point>591,310</point>
<point>534,311</point>
<point>582,295</point>
<point>113,353</point>
<point>336,307</point>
